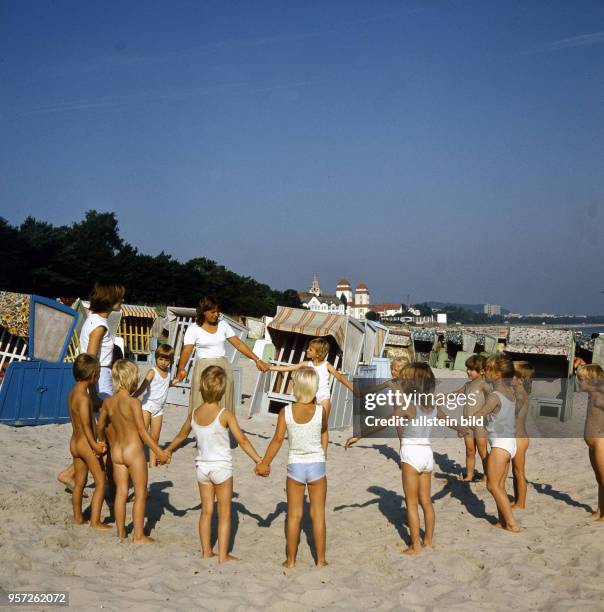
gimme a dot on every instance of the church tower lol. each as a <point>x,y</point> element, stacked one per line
<point>314,286</point>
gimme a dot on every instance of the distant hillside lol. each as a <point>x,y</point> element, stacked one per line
<point>477,308</point>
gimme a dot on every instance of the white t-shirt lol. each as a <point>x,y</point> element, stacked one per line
<point>93,321</point>
<point>207,344</point>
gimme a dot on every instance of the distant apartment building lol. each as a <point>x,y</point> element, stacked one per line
<point>492,309</point>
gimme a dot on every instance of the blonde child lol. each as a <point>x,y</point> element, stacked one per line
<point>211,425</point>
<point>521,384</point>
<point>305,422</point>
<point>591,380</point>
<point>417,458</point>
<point>125,415</point>
<point>500,411</point>
<point>317,351</point>
<point>85,449</point>
<point>154,392</point>
<point>477,389</point>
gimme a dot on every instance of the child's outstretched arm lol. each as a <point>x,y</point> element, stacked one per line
<point>145,384</point>
<point>491,405</point>
<point>162,455</point>
<point>461,431</point>
<point>275,444</point>
<point>83,408</point>
<point>396,412</point>
<point>181,436</point>
<point>246,446</point>
<point>290,368</point>
<point>339,376</point>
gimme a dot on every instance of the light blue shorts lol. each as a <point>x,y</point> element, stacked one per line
<point>306,472</point>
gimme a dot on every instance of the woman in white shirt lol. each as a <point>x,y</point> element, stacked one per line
<point>207,336</point>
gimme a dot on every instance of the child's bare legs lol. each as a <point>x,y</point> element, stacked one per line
<point>317,492</point>
<point>295,508</point>
<point>498,466</point>
<point>206,493</point>
<point>224,498</point>
<point>425,501</point>
<point>155,432</point>
<point>81,475</point>
<point>411,479</point>
<point>596,457</point>
<point>139,475</point>
<point>470,456</point>
<point>483,452</point>
<point>96,468</point>
<point>120,477</point>
<point>518,463</point>
<point>67,476</point>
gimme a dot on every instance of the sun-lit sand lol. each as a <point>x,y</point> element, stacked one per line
<point>556,563</point>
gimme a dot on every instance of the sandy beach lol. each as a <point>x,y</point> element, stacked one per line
<point>556,563</point>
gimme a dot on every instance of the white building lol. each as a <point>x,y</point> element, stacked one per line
<point>492,309</point>
<point>344,301</point>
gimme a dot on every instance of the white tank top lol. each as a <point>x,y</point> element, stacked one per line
<point>419,427</point>
<point>213,442</point>
<point>106,350</point>
<point>503,424</point>
<point>158,389</point>
<point>304,439</point>
<point>323,374</point>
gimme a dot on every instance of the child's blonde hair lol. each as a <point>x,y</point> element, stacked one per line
<point>213,383</point>
<point>306,383</point>
<point>321,345</point>
<point>501,364</point>
<point>592,373</point>
<point>164,350</point>
<point>124,375</point>
<point>85,367</point>
<point>400,363</point>
<point>418,378</point>
<point>525,372</point>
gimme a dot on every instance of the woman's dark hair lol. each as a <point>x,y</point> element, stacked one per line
<point>105,295</point>
<point>206,303</point>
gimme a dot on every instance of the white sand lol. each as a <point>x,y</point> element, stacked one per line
<point>556,563</point>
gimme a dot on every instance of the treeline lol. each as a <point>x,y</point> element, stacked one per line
<point>38,257</point>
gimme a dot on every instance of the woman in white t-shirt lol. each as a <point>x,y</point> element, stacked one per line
<point>207,337</point>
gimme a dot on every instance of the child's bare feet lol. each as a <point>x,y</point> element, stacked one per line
<point>427,544</point>
<point>79,520</point>
<point>69,484</point>
<point>229,558</point>
<point>143,540</point>
<point>321,563</point>
<point>468,478</point>
<point>517,506</point>
<point>413,550</point>
<point>101,527</point>
<point>208,555</point>
<point>513,528</point>
<point>289,564</point>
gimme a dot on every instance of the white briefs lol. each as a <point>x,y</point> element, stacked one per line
<point>418,456</point>
<point>153,408</point>
<point>508,444</point>
<point>213,472</point>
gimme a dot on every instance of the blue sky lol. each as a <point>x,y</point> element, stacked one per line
<point>450,150</point>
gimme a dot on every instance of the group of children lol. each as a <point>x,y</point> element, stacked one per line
<point>501,387</point>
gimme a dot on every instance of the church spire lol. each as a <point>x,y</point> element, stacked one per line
<point>314,286</point>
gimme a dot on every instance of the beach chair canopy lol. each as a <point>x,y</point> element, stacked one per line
<point>14,313</point>
<point>537,341</point>
<point>142,312</point>
<point>309,323</point>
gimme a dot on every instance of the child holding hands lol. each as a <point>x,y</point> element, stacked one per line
<point>125,415</point>
<point>211,425</point>
<point>85,449</point>
<point>306,425</point>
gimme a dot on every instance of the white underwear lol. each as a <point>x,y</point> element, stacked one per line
<point>508,444</point>
<point>215,472</point>
<point>418,456</point>
<point>153,408</point>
